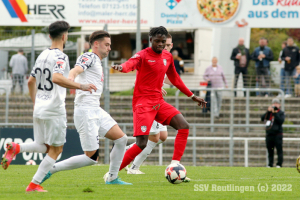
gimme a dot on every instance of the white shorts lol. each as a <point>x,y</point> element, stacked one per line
<point>50,131</point>
<point>156,128</point>
<point>92,122</point>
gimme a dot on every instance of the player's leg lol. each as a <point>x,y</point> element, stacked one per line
<point>53,133</point>
<point>117,153</point>
<point>14,148</point>
<point>152,142</point>
<point>89,139</point>
<point>143,118</point>
<point>278,145</point>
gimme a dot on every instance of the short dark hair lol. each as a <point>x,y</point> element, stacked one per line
<point>58,28</point>
<point>169,36</point>
<point>285,43</point>
<point>98,35</point>
<point>290,38</point>
<point>158,30</point>
<point>20,50</point>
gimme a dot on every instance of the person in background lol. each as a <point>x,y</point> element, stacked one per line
<point>291,55</point>
<point>241,57</point>
<point>87,48</point>
<point>274,118</point>
<point>215,75</point>
<point>179,49</point>
<point>297,81</point>
<point>178,62</point>
<point>262,56</point>
<point>19,65</point>
<point>282,72</point>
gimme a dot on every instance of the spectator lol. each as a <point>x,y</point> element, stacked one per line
<point>87,48</point>
<point>290,54</point>
<point>241,57</point>
<point>179,49</point>
<point>297,82</point>
<point>282,72</point>
<point>274,119</point>
<point>262,56</point>
<point>178,62</point>
<point>215,75</point>
<point>19,65</point>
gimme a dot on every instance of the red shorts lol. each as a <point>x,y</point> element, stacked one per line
<point>144,115</point>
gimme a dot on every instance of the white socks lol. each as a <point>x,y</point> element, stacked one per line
<point>72,163</point>
<point>159,142</point>
<point>129,146</point>
<point>143,155</point>
<point>116,157</point>
<point>43,169</point>
<point>33,147</point>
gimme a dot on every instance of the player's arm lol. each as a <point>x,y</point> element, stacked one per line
<point>177,82</point>
<point>167,81</point>
<point>75,72</point>
<point>130,65</point>
<point>62,81</point>
<point>32,88</point>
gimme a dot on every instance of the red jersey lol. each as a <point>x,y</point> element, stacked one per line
<point>152,68</point>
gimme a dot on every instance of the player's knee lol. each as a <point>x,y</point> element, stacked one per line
<point>184,125</point>
<point>95,155</point>
<point>141,144</point>
<point>154,138</point>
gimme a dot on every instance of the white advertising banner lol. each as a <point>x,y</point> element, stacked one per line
<point>169,13</point>
<point>228,13</point>
<point>76,12</point>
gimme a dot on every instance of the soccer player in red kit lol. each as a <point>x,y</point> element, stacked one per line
<point>148,104</point>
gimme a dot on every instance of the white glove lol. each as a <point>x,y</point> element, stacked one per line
<point>117,67</point>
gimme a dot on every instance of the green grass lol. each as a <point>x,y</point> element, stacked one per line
<point>152,185</point>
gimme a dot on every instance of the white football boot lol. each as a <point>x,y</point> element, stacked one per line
<point>134,171</point>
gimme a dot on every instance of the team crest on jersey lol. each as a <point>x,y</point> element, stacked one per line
<point>144,129</point>
<point>60,64</point>
<point>84,59</point>
<point>165,62</point>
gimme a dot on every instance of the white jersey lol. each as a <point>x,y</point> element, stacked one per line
<point>50,97</point>
<point>92,74</point>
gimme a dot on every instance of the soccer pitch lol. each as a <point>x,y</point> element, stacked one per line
<point>220,183</point>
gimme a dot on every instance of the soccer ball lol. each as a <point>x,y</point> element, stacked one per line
<point>30,162</point>
<point>175,173</point>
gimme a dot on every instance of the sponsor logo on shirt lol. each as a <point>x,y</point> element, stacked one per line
<point>151,60</point>
<point>136,56</point>
<point>144,129</point>
<point>60,64</point>
<point>165,62</point>
<point>84,59</point>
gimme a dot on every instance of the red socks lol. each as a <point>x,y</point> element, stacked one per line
<point>180,143</point>
<point>130,155</point>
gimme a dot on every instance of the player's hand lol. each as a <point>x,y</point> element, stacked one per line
<point>88,87</point>
<point>262,55</point>
<point>164,92</point>
<point>201,102</point>
<point>117,67</point>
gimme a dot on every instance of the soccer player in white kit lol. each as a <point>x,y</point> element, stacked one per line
<point>91,121</point>
<point>47,88</point>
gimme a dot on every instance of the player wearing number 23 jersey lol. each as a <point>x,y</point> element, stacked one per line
<point>50,98</point>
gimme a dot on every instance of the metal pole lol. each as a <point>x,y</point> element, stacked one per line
<point>246,153</point>
<point>194,146</point>
<point>160,154</point>
<point>212,104</point>
<point>138,27</point>
<point>32,49</point>
<point>6,106</point>
<point>231,142</point>
<point>106,101</point>
<point>177,100</point>
<point>247,109</point>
